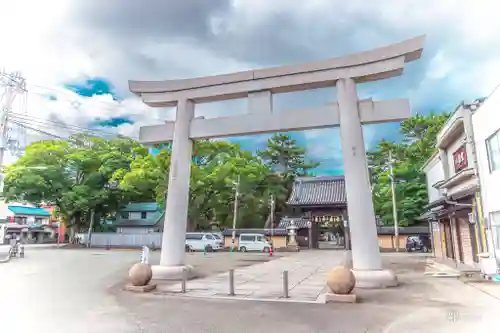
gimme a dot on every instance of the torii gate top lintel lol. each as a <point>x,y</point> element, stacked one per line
<point>376,64</point>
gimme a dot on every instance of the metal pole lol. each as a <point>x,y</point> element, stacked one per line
<point>285,284</point>
<point>231,282</point>
<point>235,212</point>
<point>14,84</point>
<point>89,234</point>
<point>394,207</point>
<point>273,203</point>
<point>183,282</point>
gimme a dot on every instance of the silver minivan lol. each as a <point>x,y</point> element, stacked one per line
<point>202,241</point>
<point>253,242</point>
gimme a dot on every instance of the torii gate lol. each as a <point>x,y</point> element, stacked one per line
<point>258,86</point>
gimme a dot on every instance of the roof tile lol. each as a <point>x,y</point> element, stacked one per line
<point>318,191</point>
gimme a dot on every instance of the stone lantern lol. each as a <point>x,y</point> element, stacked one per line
<point>292,233</point>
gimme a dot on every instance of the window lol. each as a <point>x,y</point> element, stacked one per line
<point>493,148</point>
<point>209,237</point>
<point>247,238</point>
<point>495,229</point>
<point>194,236</point>
<point>144,215</point>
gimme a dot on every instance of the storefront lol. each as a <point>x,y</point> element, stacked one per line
<point>454,210</point>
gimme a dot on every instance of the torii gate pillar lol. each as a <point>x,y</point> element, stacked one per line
<point>258,86</point>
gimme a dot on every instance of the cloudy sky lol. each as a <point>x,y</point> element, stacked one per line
<point>77,56</point>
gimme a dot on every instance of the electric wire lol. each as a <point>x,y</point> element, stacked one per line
<point>37,130</point>
<point>50,123</point>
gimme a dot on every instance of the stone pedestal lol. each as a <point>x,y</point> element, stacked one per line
<point>375,279</point>
<point>172,272</point>
<point>336,298</point>
<point>293,248</point>
<point>140,289</point>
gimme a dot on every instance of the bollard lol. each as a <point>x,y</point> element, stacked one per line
<point>183,282</point>
<point>285,284</point>
<point>231,282</point>
<point>271,251</point>
<point>21,251</point>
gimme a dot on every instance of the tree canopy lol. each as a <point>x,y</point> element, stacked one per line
<point>74,175</point>
<point>418,144</point>
<point>87,176</point>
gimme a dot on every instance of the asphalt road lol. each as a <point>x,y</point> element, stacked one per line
<point>77,291</point>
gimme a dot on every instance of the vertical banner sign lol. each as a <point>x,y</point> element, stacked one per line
<point>460,159</point>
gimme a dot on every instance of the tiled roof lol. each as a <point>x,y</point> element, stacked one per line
<point>266,232</point>
<point>155,219</point>
<point>319,191</point>
<point>33,211</point>
<point>141,207</point>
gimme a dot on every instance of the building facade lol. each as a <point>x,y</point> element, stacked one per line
<point>29,223</point>
<point>140,218</point>
<point>486,126</point>
<point>321,201</point>
<point>453,186</point>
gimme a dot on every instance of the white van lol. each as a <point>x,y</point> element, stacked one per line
<point>253,242</point>
<point>201,241</point>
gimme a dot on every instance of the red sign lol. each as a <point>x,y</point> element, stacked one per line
<point>460,159</point>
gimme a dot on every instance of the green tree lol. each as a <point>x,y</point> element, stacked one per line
<point>73,175</point>
<point>418,144</point>
<point>285,157</point>
<point>215,170</point>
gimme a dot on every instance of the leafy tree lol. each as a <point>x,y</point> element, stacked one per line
<point>216,168</point>
<point>287,159</point>
<point>73,175</point>
<point>418,144</point>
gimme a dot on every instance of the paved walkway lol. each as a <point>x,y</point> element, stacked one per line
<point>307,272</point>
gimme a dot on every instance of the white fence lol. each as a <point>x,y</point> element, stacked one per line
<point>101,239</point>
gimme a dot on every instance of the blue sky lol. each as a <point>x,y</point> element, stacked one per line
<point>79,59</point>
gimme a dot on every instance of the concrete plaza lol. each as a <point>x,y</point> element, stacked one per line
<point>73,291</point>
<point>307,271</point>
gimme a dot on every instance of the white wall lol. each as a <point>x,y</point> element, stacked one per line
<point>485,122</point>
<point>134,230</point>
<point>434,173</point>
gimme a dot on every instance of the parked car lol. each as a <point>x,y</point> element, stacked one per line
<point>253,242</point>
<point>418,243</point>
<point>203,241</point>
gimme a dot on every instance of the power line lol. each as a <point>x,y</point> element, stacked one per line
<point>30,120</point>
<point>52,123</point>
<point>36,130</point>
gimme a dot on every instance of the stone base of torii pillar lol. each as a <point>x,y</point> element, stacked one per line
<point>161,272</point>
<point>371,279</point>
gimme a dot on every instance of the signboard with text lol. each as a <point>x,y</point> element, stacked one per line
<point>460,159</point>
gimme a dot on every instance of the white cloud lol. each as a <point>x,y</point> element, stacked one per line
<point>48,42</point>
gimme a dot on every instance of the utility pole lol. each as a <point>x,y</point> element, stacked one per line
<point>13,84</point>
<point>394,208</point>
<point>235,212</point>
<point>273,207</point>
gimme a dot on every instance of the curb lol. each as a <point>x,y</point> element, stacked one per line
<point>237,298</point>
